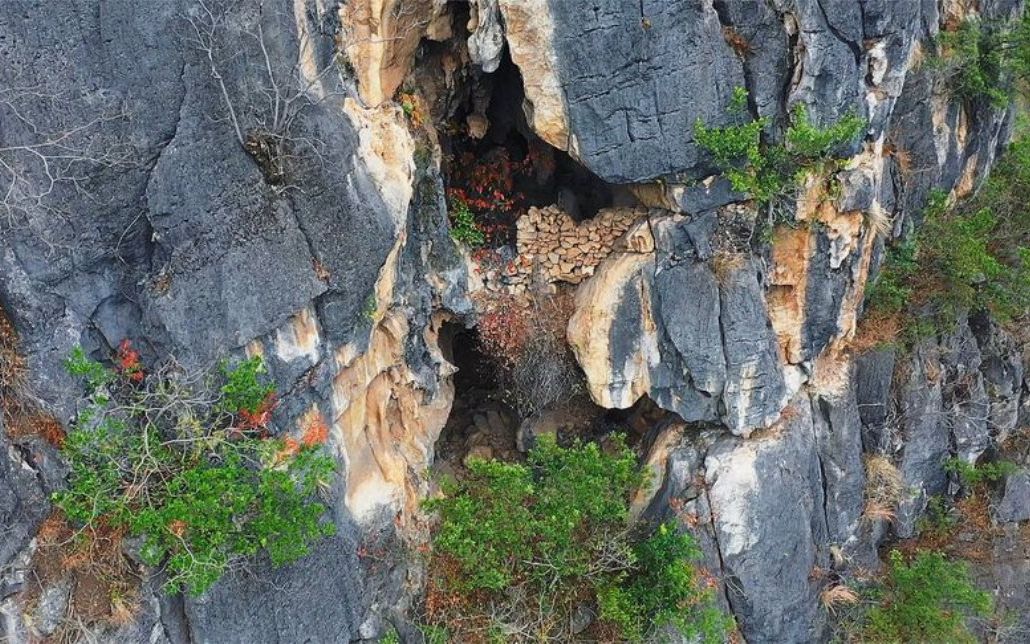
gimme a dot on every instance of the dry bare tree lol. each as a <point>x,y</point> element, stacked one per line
<point>265,110</point>
<point>50,141</point>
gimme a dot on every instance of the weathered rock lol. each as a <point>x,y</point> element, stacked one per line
<point>763,497</point>
<point>1015,501</point>
<point>698,345</point>
<point>620,85</point>
<point>199,247</point>
<point>923,436</point>
<point>486,42</point>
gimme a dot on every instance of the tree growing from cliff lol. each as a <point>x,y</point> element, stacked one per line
<point>188,465</point>
<point>264,110</point>
<point>524,550</point>
<point>768,170</point>
<point>924,599</point>
<point>967,256</point>
<point>980,59</point>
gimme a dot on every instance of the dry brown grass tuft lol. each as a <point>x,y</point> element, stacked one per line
<point>104,585</point>
<point>834,597</point>
<point>21,416</point>
<point>879,221</point>
<point>12,365</point>
<point>874,331</point>
<point>737,41</point>
<point>884,488</point>
<point>874,513</point>
<point>884,483</point>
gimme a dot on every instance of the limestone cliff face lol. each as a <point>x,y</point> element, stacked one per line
<point>197,243</point>
<point>340,274</point>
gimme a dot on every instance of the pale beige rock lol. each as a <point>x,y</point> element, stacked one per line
<point>380,38</point>
<point>529,33</point>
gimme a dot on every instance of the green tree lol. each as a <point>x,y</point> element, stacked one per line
<point>925,600</point>
<point>521,546</point>
<point>191,470</point>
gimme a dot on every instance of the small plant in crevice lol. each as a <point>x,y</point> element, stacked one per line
<point>973,475</point>
<point>370,307</point>
<point>522,549</point>
<point>186,462</point>
<point>770,171</point>
<point>464,228</point>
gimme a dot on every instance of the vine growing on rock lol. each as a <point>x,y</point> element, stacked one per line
<point>189,467</point>
<point>766,170</point>
<point>524,551</point>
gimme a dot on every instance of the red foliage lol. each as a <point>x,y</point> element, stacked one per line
<point>260,417</point>
<point>127,361</point>
<point>316,433</point>
<point>487,185</point>
<point>503,328</point>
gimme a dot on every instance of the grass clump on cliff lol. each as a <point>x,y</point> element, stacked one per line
<point>924,599</point>
<point>524,550</point>
<point>972,256</point>
<point>984,60</point>
<point>187,464</point>
<point>771,170</point>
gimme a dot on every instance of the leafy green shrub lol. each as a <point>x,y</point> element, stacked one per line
<point>190,471</point>
<point>964,257</point>
<point>971,62</point>
<point>243,388</point>
<point>521,546</point>
<point>891,291</point>
<point>464,228</point>
<point>765,170</point>
<point>973,475</point>
<point>925,600</point>
<point>982,59</point>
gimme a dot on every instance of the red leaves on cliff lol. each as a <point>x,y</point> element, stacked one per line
<point>128,362</point>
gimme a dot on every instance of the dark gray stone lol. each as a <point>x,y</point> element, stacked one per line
<point>636,76</point>
<point>688,297</point>
<point>29,472</point>
<point>874,374</point>
<point>755,386</point>
<point>302,602</point>
<point>837,426</point>
<point>763,498</point>
<point>925,439</point>
<point>1015,500</point>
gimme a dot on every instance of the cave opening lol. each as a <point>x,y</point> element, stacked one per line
<point>481,422</point>
<point>488,420</point>
<point>496,165</point>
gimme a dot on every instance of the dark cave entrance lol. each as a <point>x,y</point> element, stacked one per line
<point>481,422</point>
<point>485,420</point>
<point>497,165</point>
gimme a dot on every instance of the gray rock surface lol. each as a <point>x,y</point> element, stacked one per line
<point>195,248</point>
<point>636,76</point>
